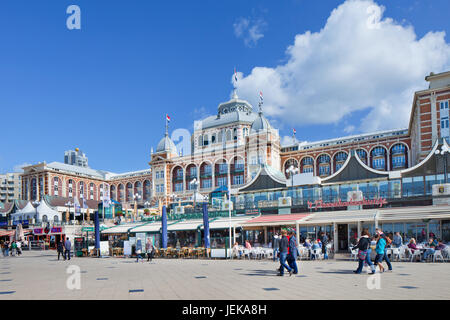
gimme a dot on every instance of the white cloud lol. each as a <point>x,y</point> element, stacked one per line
<point>250,30</point>
<point>18,167</point>
<point>349,129</point>
<point>358,60</point>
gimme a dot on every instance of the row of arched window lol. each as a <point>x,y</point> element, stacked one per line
<point>91,191</point>
<point>323,166</point>
<point>218,137</point>
<point>182,178</point>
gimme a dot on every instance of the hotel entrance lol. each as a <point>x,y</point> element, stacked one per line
<point>342,237</point>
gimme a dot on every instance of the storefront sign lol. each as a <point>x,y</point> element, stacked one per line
<point>319,204</point>
<point>38,231</point>
<point>56,230</point>
<point>252,211</point>
<point>87,229</point>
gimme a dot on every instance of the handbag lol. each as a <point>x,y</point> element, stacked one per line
<point>362,255</point>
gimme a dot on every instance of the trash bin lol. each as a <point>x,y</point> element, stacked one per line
<point>79,244</point>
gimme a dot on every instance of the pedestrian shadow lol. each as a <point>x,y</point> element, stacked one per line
<point>338,272</point>
<point>261,273</point>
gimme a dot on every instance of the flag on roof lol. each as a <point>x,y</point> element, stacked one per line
<point>261,95</point>
<point>294,131</point>
<point>167,118</point>
<point>235,75</point>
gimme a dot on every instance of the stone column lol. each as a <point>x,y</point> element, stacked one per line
<point>335,237</point>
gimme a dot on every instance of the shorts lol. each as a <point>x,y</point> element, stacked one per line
<point>379,258</point>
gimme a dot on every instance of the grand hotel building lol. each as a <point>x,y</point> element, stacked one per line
<point>227,150</point>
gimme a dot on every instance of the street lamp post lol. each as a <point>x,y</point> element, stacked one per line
<point>292,171</point>
<point>444,153</point>
<point>136,197</point>
<point>194,183</point>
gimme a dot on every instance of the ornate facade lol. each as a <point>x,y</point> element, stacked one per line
<point>228,149</point>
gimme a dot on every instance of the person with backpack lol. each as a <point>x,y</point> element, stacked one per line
<point>364,251</point>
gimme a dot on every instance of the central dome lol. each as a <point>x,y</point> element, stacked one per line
<point>166,144</point>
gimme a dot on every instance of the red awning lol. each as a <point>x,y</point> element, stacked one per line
<point>276,219</point>
<point>4,233</point>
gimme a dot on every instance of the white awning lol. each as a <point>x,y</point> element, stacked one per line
<point>150,227</point>
<point>120,229</point>
<point>185,225</point>
<point>343,216</point>
<point>414,213</point>
<point>224,223</point>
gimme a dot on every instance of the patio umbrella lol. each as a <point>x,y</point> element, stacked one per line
<point>164,227</point>
<point>206,224</point>
<point>19,232</point>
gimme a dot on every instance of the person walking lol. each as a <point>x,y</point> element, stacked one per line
<point>292,254</point>
<point>380,250</point>
<point>139,250</point>
<point>2,244</point>
<point>13,248</point>
<point>19,248</point>
<point>149,249</point>
<point>276,247</point>
<point>324,240</point>
<point>7,249</point>
<point>67,247</point>
<point>284,245</point>
<point>364,251</point>
<point>60,249</point>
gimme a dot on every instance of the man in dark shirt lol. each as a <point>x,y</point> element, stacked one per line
<point>292,255</point>
<point>324,239</point>
<point>284,244</point>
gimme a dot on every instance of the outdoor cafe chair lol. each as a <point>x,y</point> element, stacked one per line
<point>246,253</point>
<point>395,252</point>
<point>437,255</point>
<point>317,254</point>
<point>354,254</point>
<point>415,255</point>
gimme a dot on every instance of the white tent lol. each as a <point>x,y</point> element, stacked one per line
<point>45,213</point>
<point>25,213</point>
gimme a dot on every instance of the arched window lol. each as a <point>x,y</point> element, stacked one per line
<point>91,191</point>
<point>55,219</point>
<point>200,141</point>
<point>70,188</point>
<point>56,186</point>
<point>235,134</point>
<point>228,135</point>
<point>205,140</point>
<point>219,137</point>
<point>44,218</point>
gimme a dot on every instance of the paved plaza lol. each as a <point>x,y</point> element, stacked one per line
<point>39,275</point>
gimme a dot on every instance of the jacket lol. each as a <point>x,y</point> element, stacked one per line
<point>276,243</point>
<point>284,244</point>
<point>381,245</point>
<point>293,247</point>
<point>67,245</point>
<point>363,243</point>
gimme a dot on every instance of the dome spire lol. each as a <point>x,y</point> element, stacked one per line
<point>235,96</point>
<point>261,101</point>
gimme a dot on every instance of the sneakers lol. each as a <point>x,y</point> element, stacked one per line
<point>290,272</point>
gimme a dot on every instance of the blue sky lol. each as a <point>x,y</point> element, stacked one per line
<point>107,87</point>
